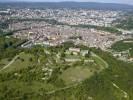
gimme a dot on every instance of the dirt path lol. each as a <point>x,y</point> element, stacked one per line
<point>105,63</point>
<point>11,62</point>
<point>125,94</point>
<point>64,88</point>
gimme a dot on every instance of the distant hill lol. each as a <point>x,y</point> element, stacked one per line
<point>76,5</point>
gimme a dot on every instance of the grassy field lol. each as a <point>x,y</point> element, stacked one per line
<point>81,72</point>
<point>27,73</point>
<point>76,74</point>
<point>113,83</point>
<point>3,62</point>
<point>22,61</point>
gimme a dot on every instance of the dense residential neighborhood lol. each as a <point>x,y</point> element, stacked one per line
<point>55,26</point>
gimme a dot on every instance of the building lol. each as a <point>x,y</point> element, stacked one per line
<point>84,52</point>
<point>74,51</point>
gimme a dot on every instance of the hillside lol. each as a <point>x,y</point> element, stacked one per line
<point>56,73</point>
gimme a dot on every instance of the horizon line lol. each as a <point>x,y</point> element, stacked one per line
<point>63,1</point>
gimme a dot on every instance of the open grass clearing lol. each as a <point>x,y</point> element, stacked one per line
<point>73,56</point>
<point>3,62</point>
<point>21,62</point>
<point>76,74</point>
<point>82,72</point>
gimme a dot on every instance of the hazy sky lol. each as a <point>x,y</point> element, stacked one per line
<point>105,1</point>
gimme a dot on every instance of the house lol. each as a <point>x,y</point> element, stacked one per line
<point>84,52</point>
<point>75,51</point>
<point>117,54</point>
<point>72,59</point>
<point>131,59</point>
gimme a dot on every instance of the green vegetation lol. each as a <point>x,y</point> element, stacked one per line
<point>23,60</point>
<point>4,24</point>
<point>75,74</point>
<point>126,23</point>
<point>34,72</point>
<point>8,47</point>
<point>103,64</point>
<point>124,45</point>
<point>42,73</point>
<point>114,83</point>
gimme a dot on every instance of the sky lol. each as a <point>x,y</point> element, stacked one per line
<point>104,1</point>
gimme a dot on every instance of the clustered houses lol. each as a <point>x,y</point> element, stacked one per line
<point>77,51</point>
<point>74,53</point>
<point>52,35</point>
<point>71,16</point>
<point>40,32</point>
<point>124,55</point>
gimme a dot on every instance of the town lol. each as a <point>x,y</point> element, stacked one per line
<point>32,26</point>
<point>80,52</point>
